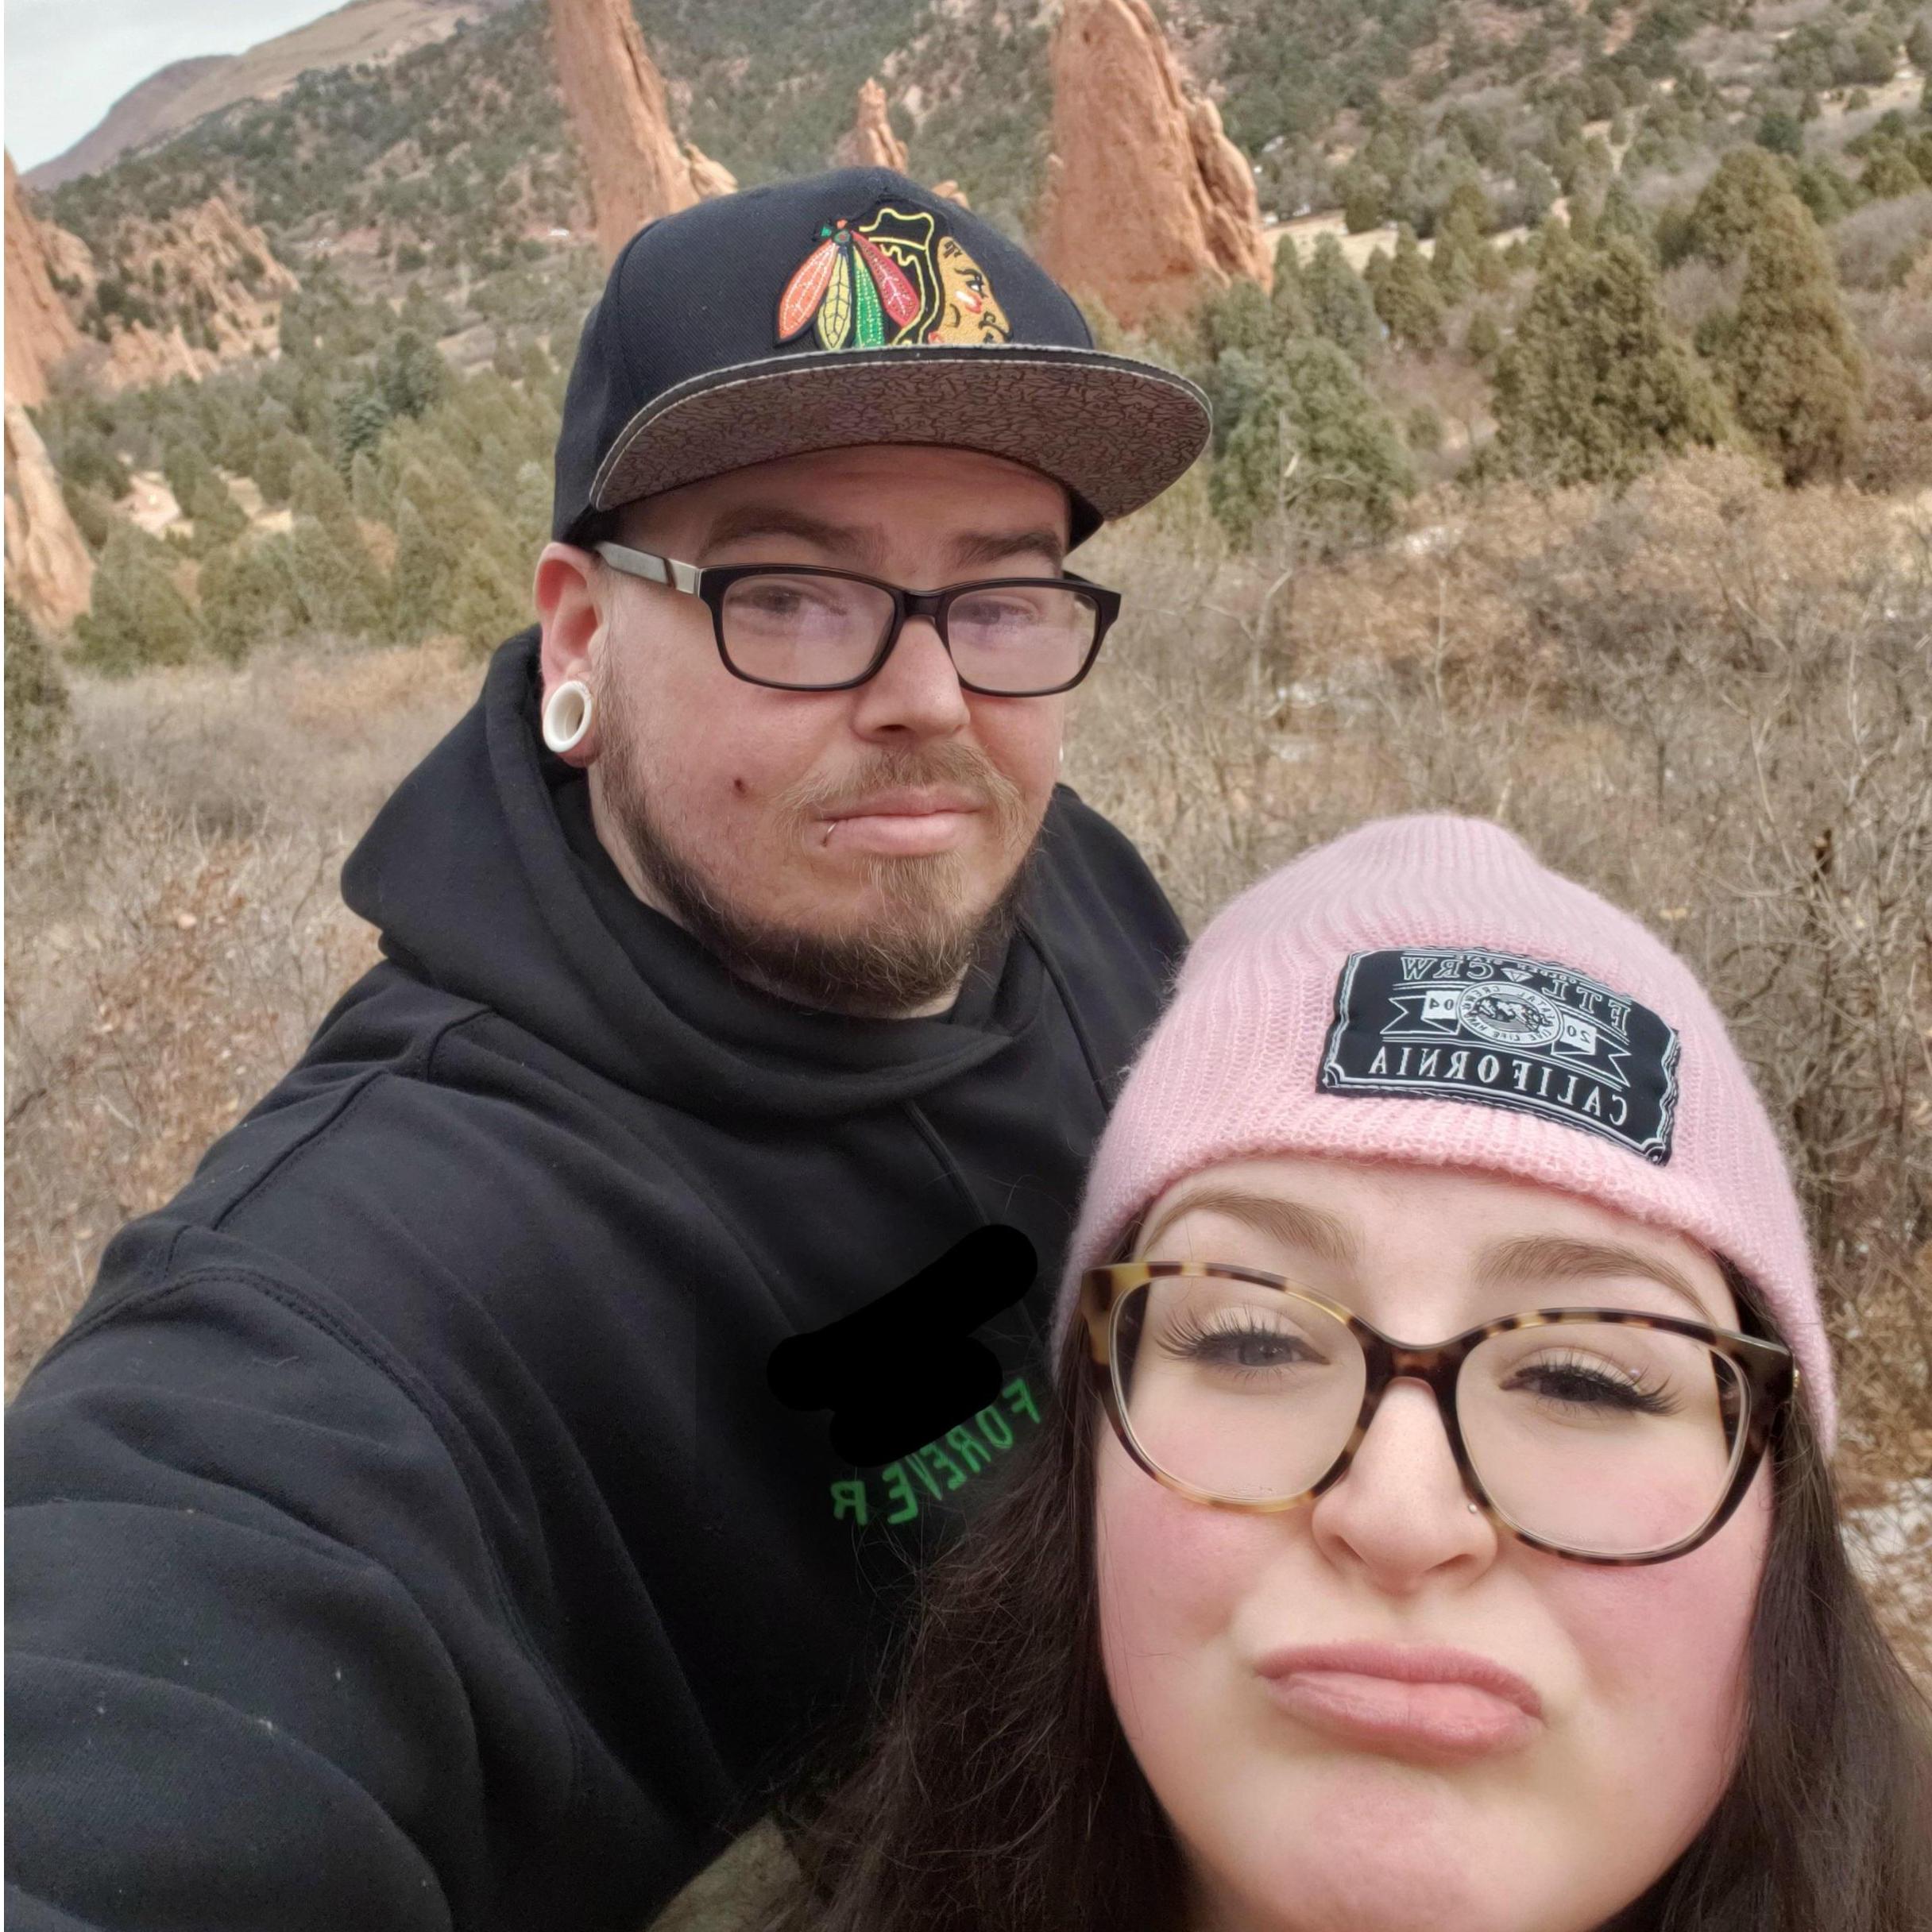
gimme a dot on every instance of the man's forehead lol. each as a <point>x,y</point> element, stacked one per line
<point>871,499</point>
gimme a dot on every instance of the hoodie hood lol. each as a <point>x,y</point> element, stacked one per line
<point>472,879</point>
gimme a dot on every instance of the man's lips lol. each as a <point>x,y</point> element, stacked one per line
<point>913,820</point>
<point>1420,1699</point>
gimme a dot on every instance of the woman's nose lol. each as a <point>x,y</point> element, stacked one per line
<point>1402,1514</point>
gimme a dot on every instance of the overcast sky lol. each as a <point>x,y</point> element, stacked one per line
<point>69,61</point>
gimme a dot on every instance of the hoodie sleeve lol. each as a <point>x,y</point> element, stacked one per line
<point>254,1635</point>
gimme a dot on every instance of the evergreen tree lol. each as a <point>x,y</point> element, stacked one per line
<point>1824,190</point>
<point>244,601</point>
<point>412,374</point>
<point>280,456</point>
<point>361,417</point>
<point>138,616</point>
<point>1287,298</point>
<point>1483,339</point>
<point>1353,469</point>
<point>367,494</point>
<point>1340,308</point>
<point>1797,372</point>
<point>1409,301</point>
<point>1239,316</point>
<point>1889,171</point>
<point>486,603</point>
<point>1313,428</point>
<point>1732,202</point>
<point>530,508</point>
<point>418,588</point>
<point>1621,215</point>
<point>332,590</point>
<point>1595,387</point>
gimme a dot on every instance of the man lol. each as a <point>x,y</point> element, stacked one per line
<point>410,1531</point>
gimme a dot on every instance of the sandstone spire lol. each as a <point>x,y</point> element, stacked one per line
<point>869,142</point>
<point>48,571</point>
<point>38,330</point>
<point>1148,205</point>
<point>638,169</point>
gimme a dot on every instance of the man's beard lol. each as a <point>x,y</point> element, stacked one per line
<point>917,949</point>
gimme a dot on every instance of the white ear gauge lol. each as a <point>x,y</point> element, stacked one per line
<point>566,714</point>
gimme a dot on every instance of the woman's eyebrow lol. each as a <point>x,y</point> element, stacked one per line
<point>1287,1222</point>
<point>1532,1259</point>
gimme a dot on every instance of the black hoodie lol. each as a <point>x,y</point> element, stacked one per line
<point>405,1535</point>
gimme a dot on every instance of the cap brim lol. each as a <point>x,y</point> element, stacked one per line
<point>1116,432</point>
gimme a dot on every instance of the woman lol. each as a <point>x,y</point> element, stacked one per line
<point>1341,1598</point>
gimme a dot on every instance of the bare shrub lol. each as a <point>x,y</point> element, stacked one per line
<point>174,931</point>
<point>1896,453</point>
<point>1875,243</point>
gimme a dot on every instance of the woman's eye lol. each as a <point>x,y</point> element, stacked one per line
<point>1580,1384</point>
<point>1248,1348</point>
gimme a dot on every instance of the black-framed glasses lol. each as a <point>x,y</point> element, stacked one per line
<point>800,627</point>
<point>1607,1435</point>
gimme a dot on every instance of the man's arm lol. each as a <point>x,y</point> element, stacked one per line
<point>255,1635</point>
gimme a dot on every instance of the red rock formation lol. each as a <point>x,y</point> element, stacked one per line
<point>870,141</point>
<point>638,170</point>
<point>708,176</point>
<point>38,330</point>
<point>48,571</point>
<point>219,273</point>
<point>1149,205</point>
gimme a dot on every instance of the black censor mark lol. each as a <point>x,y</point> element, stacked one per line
<point>905,1368</point>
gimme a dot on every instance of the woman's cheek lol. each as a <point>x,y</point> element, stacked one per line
<point>1170,1576</point>
<point>1662,1649</point>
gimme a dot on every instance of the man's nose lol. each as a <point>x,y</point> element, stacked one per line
<point>917,691</point>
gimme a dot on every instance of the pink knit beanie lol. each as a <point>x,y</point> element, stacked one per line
<point>1423,989</point>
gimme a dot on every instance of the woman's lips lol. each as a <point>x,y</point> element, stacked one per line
<point>1405,1700</point>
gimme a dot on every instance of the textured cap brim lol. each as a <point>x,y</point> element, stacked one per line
<point>1116,432</point>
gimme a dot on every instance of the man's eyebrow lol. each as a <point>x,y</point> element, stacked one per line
<point>1534,1259</point>
<point>997,547</point>
<point>756,519</point>
<point>1287,1222</point>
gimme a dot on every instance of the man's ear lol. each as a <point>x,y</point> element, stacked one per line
<point>565,593</point>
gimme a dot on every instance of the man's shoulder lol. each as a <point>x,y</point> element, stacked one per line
<point>1092,874</point>
<point>449,1157</point>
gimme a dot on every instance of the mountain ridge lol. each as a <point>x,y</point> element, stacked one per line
<point>174,97</point>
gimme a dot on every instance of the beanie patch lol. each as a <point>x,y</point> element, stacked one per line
<point>1451,1023</point>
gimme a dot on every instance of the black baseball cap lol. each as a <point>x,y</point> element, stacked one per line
<point>847,308</point>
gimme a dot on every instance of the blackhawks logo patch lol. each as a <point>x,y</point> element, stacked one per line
<point>895,278</point>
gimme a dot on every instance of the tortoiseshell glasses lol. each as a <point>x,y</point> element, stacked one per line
<point>1608,1435</point>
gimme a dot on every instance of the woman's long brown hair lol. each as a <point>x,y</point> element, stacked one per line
<point>999,1794</point>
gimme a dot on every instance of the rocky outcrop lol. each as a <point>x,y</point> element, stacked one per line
<point>708,176</point>
<point>637,168</point>
<point>40,332</point>
<point>870,141</point>
<point>223,302</point>
<point>1149,206</point>
<point>48,572</point>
